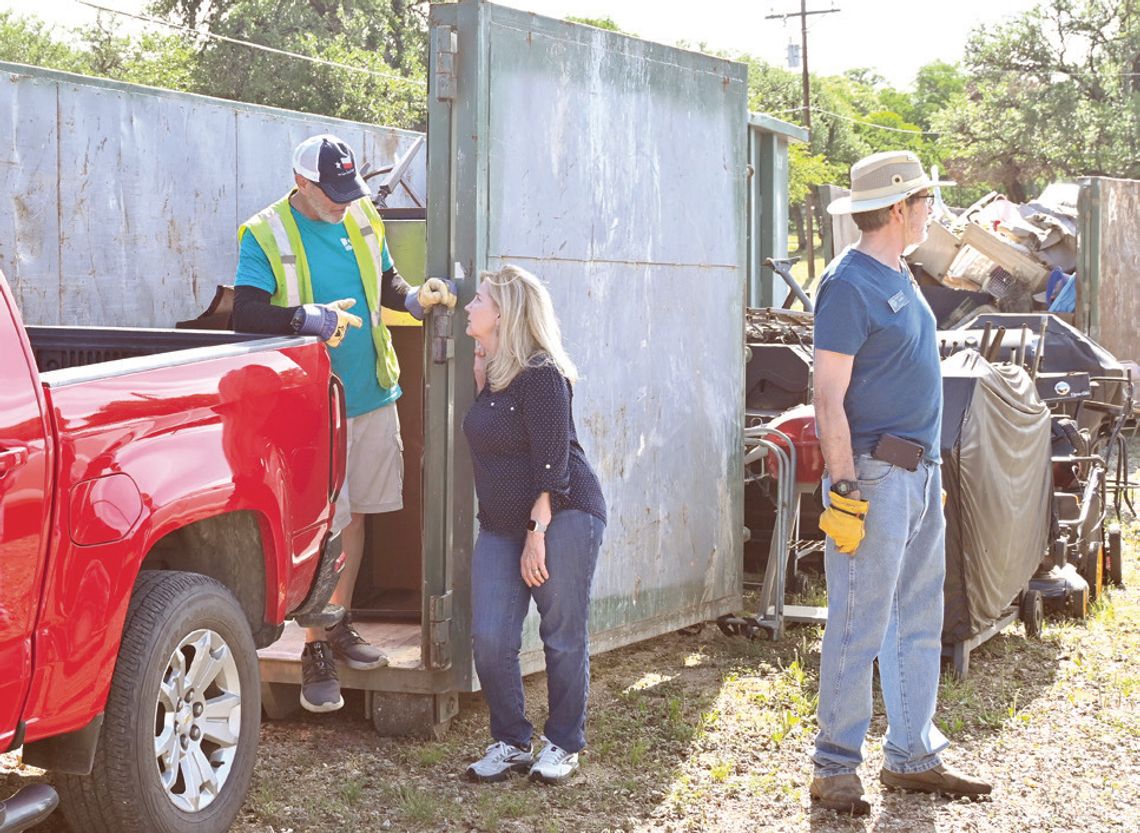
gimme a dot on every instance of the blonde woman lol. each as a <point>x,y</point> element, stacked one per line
<point>541,520</point>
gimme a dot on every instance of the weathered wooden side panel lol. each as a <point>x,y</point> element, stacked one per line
<point>121,203</point>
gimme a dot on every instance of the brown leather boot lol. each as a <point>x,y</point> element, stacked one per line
<point>842,793</point>
<point>942,780</point>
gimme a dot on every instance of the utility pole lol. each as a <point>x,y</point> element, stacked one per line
<point>803,14</point>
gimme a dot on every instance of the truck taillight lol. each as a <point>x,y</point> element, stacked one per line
<point>338,437</point>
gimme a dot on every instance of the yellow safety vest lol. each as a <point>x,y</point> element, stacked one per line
<point>276,231</point>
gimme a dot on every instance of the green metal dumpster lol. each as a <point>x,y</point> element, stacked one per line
<point>613,168</point>
<point>616,170</point>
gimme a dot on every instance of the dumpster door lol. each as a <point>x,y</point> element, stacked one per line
<point>615,170</point>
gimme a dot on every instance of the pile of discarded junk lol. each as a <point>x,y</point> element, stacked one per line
<point>1034,414</point>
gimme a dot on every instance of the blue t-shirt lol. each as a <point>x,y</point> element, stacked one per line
<point>876,314</point>
<point>334,275</point>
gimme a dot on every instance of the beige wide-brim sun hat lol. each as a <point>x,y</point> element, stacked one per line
<point>883,179</point>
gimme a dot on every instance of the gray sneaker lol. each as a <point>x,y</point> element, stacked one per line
<point>352,648</point>
<point>553,765</point>
<point>320,688</point>
<point>500,760</point>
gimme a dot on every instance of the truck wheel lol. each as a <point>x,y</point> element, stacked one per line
<point>180,730</point>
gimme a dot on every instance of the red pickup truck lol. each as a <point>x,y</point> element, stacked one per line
<point>166,499</point>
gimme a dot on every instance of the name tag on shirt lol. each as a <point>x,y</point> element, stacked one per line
<point>898,301</point>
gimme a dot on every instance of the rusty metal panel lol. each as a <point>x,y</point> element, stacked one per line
<point>29,220</point>
<point>124,209</point>
<point>615,169</point>
<point>1108,291</point>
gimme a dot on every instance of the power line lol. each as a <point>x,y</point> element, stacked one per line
<point>872,124</point>
<point>251,45</point>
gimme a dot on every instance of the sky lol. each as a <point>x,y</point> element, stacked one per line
<point>892,37</point>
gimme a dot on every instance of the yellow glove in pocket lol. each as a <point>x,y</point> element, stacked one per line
<point>435,291</point>
<point>843,521</point>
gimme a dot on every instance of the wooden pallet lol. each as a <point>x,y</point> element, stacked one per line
<point>400,641</point>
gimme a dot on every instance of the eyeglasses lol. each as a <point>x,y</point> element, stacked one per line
<point>928,197</point>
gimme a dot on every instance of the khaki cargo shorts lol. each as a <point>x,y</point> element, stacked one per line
<point>375,481</point>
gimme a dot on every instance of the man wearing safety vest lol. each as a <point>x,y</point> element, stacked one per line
<point>303,263</point>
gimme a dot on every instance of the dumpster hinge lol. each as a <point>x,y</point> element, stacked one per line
<point>439,653</point>
<point>445,44</point>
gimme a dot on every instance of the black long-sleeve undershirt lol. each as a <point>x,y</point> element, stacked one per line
<point>253,312</point>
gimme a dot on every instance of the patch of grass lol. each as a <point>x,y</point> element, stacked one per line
<point>950,726</point>
<point>416,804</point>
<point>430,754</point>
<point>635,754</point>
<point>495,806</point>
<point>351,791</point>
<point>266,801</point>
<point>812,594</point>
<point>719,772</point>
<point>955,692</point>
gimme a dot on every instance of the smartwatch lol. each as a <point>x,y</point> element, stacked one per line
<point>535,526</point>
<point>844,487</point>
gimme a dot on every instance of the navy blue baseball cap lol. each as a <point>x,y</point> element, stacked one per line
<point>329,162</point>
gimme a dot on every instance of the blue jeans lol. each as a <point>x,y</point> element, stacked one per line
<point>500,599</point>
<point>885,601</point>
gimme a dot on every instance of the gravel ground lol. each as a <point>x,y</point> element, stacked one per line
<point>708,733</point>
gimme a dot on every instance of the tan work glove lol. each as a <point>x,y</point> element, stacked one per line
<point>344,320</point>
<point>843,521</point>
<point>435,291</point>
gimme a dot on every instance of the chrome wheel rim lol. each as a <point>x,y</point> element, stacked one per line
<point>197,720</point>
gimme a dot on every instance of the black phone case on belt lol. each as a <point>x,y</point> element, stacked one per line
<point>898,452</point>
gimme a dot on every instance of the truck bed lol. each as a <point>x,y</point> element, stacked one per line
<point>68,355</point>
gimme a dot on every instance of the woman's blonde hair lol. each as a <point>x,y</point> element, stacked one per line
<point>529,335</point>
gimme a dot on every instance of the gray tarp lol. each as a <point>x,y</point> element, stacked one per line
<point>998,480</point>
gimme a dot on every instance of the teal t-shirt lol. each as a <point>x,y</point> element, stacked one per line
<point>334,275</point>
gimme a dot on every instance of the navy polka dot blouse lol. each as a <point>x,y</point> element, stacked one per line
<point>523,443</point>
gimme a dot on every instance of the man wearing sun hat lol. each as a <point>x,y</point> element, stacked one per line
<point>304,261</point>
<point>878,404</point>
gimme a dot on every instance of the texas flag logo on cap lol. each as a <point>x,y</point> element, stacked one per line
<point>329,162</point>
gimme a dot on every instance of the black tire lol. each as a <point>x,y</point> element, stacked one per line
<point>1115,556</point>
<point>1080,604</point>
<point>171,612</point>
<point>1032,612</point>
<point>1092,571</point>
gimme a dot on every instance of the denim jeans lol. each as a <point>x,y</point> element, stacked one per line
<point>500,599</point>
<point>885,601</point>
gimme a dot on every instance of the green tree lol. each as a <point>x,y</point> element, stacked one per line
<point>1050,94</point>
<point>29,41</point>
<point>935,85</point>
<point>805,171</point>
<point>599,23</point>
<point>779,92</point>
<point>380,45</point>
<point>887,130</point>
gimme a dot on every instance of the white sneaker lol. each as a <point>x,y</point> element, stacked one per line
<point>499,761</point>
<point>553,765</point>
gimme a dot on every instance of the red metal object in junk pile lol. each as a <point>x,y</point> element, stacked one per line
<point>799,425</point>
